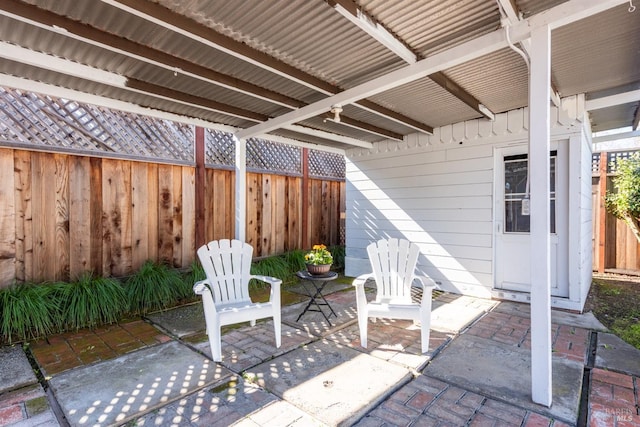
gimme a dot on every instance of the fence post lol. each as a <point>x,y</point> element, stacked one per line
<point>200,183</point>
<point>305,198</point>
<point>602,212</point>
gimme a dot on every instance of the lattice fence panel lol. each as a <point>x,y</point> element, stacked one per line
<point>595,163</point>
<point>29,118</point>
<point>325,165</point>
<point>271,156</point>
<point>219,148</point>
<point>615,156</point>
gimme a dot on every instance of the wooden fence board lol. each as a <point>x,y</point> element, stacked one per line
<point>62,217</point>
<point>140,212</point>
<point>294,217</point>
<point>165,214</point>
<point>254,226</point>
<point>188,216</point>
<point>7,218</point>
<point>79,216</point>
<point>177,216</point>
<point>97,217</point>
<point>24,232</point>
<point>266,238</point>
<point>278,213</point>
<point>153,194</point>
<point>43,211</point>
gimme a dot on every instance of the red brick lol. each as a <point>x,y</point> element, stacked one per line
<point>10,414</point>
<point>407,411</point>
<point>623,396</point>
<point>391,417</point>
<point>481,420</point>
<point>421,400</point>
<point>502,411</point>
<point>537,420</point>
<point>424,421</point>
<point>471,400</point>
<point>612,378</point>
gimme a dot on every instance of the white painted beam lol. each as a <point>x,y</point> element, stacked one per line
<point>353,13</point>
<point>613,100</point>
<point>616,136</point>
<point>328,135</point>
<point>241,188</point>
<point>563,14</point>
<point>539,145</point>
<point>60,65</point>
<point>512,15</point>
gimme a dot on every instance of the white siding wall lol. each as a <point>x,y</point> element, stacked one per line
<point>437,191</point>
<point>586,254</point>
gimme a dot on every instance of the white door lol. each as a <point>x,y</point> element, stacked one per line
<point>513,246</point>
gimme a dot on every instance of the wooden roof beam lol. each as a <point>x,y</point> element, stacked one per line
<point>355,14</point>
<point>165,18</point>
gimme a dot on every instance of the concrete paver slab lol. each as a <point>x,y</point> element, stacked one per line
<point>15,370</point>
<point>454,313</point>
<point>249,346</point>
<point>234,401</point>
<point>333,383</point>
<point>615,354</point>
<point>584,320</point>
<point>342,303</point>
<point>503,372</point>
<point>181,321</point>
<point>114,391</point>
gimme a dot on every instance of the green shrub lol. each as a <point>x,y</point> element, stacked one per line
<point>194,275</point>
<point>154,287</point>
<point>90,301</point>
<point>275,266</point>
<point>295,260</point>
<point>28,311</point>
<point>338,253</point>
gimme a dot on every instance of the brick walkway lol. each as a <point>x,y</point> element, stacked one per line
<point>85,346</point>
<point>424,401</point>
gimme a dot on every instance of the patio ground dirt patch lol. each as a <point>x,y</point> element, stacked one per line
<point>615,301</point>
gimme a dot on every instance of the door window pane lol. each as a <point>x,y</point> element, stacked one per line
<point>515,191</point>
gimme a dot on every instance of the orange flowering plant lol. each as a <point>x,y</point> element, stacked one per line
<point>318,255</point>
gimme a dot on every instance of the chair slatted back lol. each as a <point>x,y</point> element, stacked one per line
<point>227,264</point>
<point>393,262</point>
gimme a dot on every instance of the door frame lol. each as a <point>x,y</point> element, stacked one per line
<point>560,281</point>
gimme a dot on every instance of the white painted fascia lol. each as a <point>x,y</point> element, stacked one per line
<point>613,100</point>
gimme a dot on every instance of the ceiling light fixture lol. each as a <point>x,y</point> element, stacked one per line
<point>336,110</point>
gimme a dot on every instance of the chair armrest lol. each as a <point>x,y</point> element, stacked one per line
<point>201,286</point>
<point>274,294</point>
<point>362,279</point>
<point>426,282</point>
<point>267,279</point>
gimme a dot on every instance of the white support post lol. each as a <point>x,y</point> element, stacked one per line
<point>241,188</point>
<point>539,144</point>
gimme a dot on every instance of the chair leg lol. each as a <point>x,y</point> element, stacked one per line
<point>277,327</point>
<point>362,324</point>
<point>215,341</point>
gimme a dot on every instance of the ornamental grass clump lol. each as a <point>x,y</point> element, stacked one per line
<point>28,311</point>
<point>91,301</point>
<point>155,287</point>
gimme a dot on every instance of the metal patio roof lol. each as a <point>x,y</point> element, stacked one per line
<point>394,67</point>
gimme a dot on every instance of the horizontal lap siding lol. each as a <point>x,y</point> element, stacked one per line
<point>439,198</point>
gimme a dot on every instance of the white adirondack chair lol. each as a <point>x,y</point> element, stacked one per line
<point>394,262</point>
<point>225,291</point>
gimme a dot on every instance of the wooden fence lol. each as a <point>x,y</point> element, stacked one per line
<point>61,215</point>
<point>615,248</point>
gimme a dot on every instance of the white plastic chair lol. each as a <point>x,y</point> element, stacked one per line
<point>225,291</point>
<point>394,262</point>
